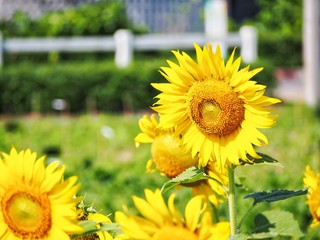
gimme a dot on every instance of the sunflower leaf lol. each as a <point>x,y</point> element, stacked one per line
<point>276,223</point>
<point>270,224</point>
<point>264,235</point>
<point>190,175</point>
<point>274,195</point>
<point>90,227</point>
<point>265,159</point>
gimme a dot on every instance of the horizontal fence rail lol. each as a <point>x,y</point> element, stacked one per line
<point>124,43</point>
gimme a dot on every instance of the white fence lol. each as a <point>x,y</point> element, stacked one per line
<point>123,43</point>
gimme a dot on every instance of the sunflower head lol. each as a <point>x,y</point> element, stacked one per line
<point>158,220</point>
<point>36,202</point>
<point>312,180</point>
<point>167,155</point>
<point>215,107</point>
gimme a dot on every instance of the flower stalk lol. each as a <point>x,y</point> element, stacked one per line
<point>232,202</point>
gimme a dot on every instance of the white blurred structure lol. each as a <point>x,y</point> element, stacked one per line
<point>124,50</point>
<point>216,22</point>
<point>311,51</point>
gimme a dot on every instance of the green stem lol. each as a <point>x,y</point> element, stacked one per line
<point>244,217</point>
<point>232,202</point>
<point>215,216</point>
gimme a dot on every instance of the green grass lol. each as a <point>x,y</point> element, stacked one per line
<point>111,170</point>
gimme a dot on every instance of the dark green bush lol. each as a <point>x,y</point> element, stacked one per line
<point>27,87</point>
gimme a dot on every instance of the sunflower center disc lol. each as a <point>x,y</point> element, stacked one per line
<point>27,216</point>
<point>215,108</point>
<point>168,156</point>
<point>176,233</point>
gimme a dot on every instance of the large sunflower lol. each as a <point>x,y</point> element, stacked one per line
<point>216,107</point>
<point>312,181</point>
<point>170,159</point>
<point>159,221</point>
<point>36,202</point>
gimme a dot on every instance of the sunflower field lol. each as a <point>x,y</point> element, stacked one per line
<point>100,150</point>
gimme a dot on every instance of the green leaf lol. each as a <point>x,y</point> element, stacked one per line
<point>265,159</point>
<point>190,175</point>
<point>239,237</point>
<point>274,195</point>
<point>270,224</point>
<point>109,227</point>
<point>276,223</point>
<point>253,236</point>
<point>90,227</point>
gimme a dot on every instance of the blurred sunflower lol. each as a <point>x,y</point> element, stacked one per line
<point>89,213</point>
<point>36,202</point>
<point>215,107</point>
<point>312,180</point>
<point>170,159</point>
<point>159,221</point>
<point>167,155</point>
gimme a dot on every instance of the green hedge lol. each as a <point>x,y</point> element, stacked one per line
<point>88,19</point>
<point>30,87</point>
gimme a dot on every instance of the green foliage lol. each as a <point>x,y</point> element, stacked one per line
<point>88,19</point>
<point>273,224</point>
<point>92,19</point>
<point>279,24</point>
<point>100,86</point>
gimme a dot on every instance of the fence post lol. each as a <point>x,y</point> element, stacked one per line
<point>1,50</point>
<point>124,47</point>
<point>249,44</point>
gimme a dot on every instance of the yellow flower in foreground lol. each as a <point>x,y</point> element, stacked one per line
<point>215,107</point>
<point>88,213</point>
<point>159,221</point>
<point>167,154</point>
<point>100,218</point>
<point>36,202</point>
<point>312,180</point>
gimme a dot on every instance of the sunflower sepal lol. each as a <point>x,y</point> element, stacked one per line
<point>264,159</point>
<point>188,177</point>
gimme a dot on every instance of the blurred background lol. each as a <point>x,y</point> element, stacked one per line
<point>75,78</point>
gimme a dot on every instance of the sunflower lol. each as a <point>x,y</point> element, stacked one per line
<point>312,180</point>
<point>170,159</point>
<point>36,202</point>
<point>89,213</point>
<point>215,107</point>
<point>159,221</point>
<point>167,155</point>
